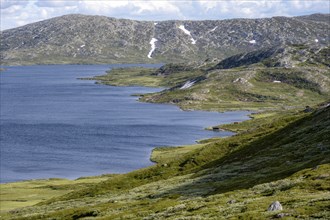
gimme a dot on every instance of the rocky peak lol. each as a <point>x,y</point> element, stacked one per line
<point>99,39</point>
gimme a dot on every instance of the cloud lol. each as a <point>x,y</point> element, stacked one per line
<point>139,10</point>
<point>20,14</point>
<point>8,3</point>
<point>16,13</point>
<point>55,4</point>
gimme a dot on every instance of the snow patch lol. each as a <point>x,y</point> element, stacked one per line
<point>184,30</point>
<point>188,84</point>
<point>276,81</point>
<point>82,45</point>
<point>155,23</point>
<point>193,41</point>
<point>153,47</point>
<point>316,40</point>
<point>252,41</point>
<point>214,29</point>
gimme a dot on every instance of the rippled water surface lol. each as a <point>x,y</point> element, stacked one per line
<point>54,125</point>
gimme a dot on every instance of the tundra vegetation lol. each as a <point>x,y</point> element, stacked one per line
<point>281,154</point>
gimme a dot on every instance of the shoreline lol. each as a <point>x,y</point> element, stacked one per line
<point>150,153</point>
<point>154,149</point>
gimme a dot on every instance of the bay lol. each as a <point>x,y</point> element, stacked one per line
<point>54,125</point>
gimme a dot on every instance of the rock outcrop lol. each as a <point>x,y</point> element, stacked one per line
<point>99,39</point>
<point>275,206</point>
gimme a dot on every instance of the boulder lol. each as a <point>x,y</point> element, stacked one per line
<point>275,206</point>
<point>231,201</point>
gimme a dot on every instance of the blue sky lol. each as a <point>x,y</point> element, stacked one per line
<point>16,13</point>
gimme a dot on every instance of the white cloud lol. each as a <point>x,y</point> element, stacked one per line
<point>21,14</point>
<point>156,7</point>
<point>208,5</point>
<point>15,13</point>
<point>8,3</point>
<point>55,3</point>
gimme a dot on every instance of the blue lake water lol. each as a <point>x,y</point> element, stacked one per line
<point>54,125</point>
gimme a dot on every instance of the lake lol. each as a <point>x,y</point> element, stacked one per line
<point>54,125</point>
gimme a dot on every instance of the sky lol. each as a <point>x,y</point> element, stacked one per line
<point>15,13</point>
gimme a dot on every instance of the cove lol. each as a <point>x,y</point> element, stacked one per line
<point>54,125</point>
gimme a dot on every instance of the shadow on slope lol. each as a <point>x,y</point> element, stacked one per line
<point>302,144</point>
<point>271,150</point>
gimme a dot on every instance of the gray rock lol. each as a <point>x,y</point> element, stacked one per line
<point>281,215</point>
<point>232,201</point>
<point>275,206</point>
<point>100,39</point>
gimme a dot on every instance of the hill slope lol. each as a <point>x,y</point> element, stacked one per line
<point>269,78</point>
<point>283,157</point>
<point>98,39</point>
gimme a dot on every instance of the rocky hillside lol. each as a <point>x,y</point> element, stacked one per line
<point>284,56</point>
<point>293,76</point>
<point>98,39</point>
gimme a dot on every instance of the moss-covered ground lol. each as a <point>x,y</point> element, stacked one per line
<point>27,193</point>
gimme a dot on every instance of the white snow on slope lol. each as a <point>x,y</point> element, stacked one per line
<point>316,40</point>
<point>187,85</point>
<point>184,30</point>
<point>82,45</point>
<point>155,23</point>
<point>214,29</point>
<point>193,41</point>
<point>252,41</point>
<point>153,47</point>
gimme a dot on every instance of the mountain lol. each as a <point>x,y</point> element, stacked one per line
<point>98,39</point>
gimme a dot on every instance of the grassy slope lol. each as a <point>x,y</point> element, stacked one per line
<point>266,84</point>
<point>27,193</point>
<point>138,76</point>
<point>270,161</point>
<point>250,88</point>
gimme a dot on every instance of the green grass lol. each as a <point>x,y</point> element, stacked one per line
<point>138,76</point>
<point>304,194</point>
<point>27,193</point>
<point>162,155</point>
<point>130,77</point>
